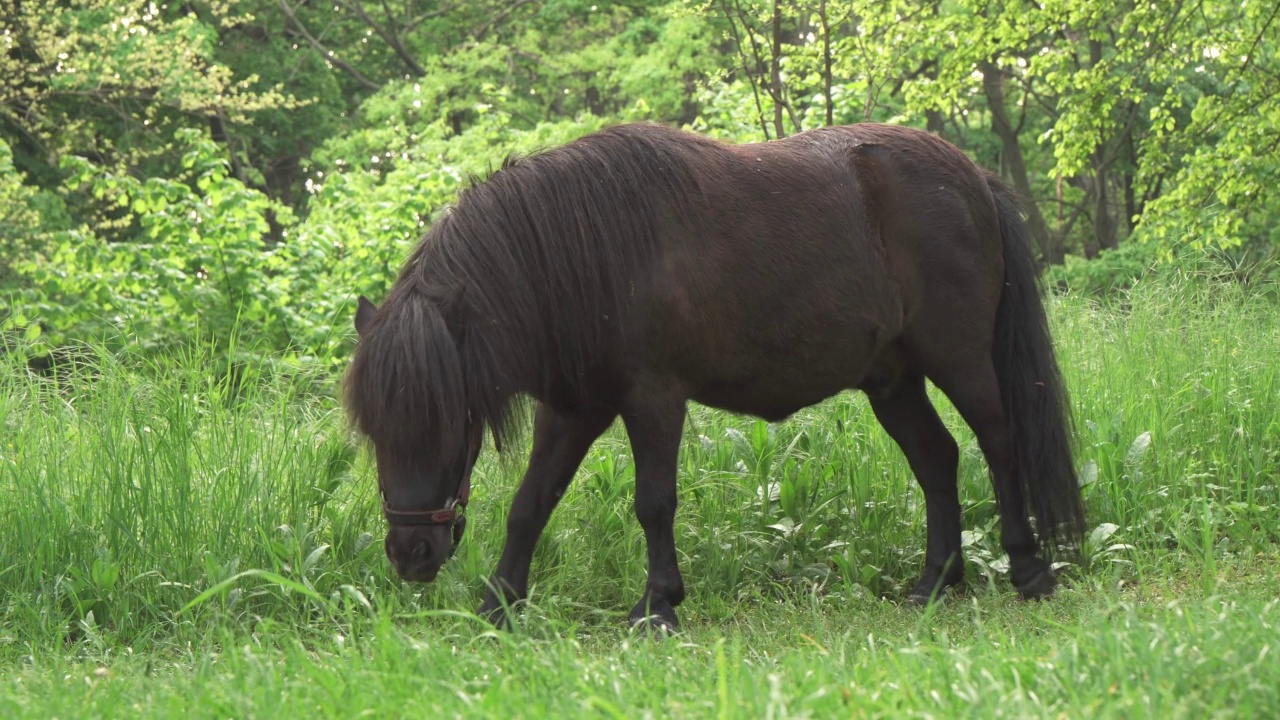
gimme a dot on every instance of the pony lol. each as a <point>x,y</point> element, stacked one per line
<point>640,267</point>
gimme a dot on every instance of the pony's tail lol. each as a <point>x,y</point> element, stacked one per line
<point>1031,386</point>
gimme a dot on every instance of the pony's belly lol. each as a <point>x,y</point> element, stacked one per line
<point>772,400</point>
<point>772,375</point>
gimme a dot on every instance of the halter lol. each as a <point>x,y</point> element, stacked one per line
<point>452,511</point>
<point>452,514</point>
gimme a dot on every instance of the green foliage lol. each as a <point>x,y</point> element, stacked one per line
<point>103,78</point>
<point>292,154</point>
<point>364,219</point>
<point>19,219</point>
<point>1137,262</point>
<point>202,265</point>
<point>1111,271</point>
<point>199,268</point>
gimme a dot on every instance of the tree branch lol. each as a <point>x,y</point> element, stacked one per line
<point>497,19</point>
<point>325,52</point>
<point>751,79</point>
<point>386,34</point>
<point>430,15</point>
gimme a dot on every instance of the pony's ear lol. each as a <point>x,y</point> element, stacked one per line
<point>365,312</point>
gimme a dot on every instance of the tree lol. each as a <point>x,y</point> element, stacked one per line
<point>93,78</point>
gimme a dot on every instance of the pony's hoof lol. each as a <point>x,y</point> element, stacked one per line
<point>926,592</point>
<point>657,620</point>
<point>496,615</point>
<point>655,626</point>
<point>923,599</point>
<point>1039,587</point>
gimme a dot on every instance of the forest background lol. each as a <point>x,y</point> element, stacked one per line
<point>171,171</point>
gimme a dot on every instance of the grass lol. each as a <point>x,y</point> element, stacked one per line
<point>182,539</point>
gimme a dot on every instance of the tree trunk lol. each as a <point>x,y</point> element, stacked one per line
<point>1104,225</point>
<point>934,121</point>
<point>1051,250</point>
<point>775,71</point>
<point>746,62</point>
<point>826,63</point>
<point>1130,199</point>
<point>1130,202</point>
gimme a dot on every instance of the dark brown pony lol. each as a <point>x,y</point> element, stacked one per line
<point>641,267</point>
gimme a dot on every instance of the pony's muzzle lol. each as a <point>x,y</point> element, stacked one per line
<point>418,553</point>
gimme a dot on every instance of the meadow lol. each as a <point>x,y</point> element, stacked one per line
<point>188,537</point>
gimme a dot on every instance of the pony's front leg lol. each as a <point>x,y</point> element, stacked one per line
<point>654,425</point>
<point>560,441</point>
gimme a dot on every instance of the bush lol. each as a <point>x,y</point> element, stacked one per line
<point>195,262</point>
<point>1113,271</point>
<point>195,268</point>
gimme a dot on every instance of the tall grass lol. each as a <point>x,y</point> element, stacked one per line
<point>161,504</point>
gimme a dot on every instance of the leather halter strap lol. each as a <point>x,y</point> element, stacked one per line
<point>453,512</point>
<point>449,514</point>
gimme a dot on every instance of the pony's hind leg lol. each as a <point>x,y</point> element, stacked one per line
<point>560,441</point>
<point>905,412</point>
<point>975,391</point>
<point>654,423</point>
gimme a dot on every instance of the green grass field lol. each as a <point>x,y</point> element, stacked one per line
<point>177,544</point>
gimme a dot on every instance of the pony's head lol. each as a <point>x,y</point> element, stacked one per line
<point>405,392</point>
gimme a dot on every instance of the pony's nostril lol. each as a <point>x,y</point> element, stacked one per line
<point>421,551</point>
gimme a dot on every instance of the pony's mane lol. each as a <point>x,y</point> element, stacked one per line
<point>519,283</point>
